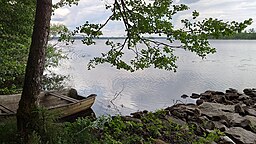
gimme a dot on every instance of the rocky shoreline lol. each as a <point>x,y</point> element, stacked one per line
<point>231,112</point>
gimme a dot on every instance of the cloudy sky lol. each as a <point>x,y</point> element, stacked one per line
<point>94,12</point>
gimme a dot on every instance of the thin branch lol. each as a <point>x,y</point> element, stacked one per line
<point>106,22</point>
<point>117,94</point>
<point>158,43</point>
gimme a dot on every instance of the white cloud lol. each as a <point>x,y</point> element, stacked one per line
<point>62,12</point>
<point>95,12</point>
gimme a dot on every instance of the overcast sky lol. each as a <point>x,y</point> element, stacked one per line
<point>94,12</point>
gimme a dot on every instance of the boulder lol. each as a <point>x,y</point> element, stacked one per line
<point>239,109</point>
<point>249,111</point>
<point>231,96</point>
<point>199,101</point>
<point>195,96</point>
<point>232,90</point>
<point>226,140</point>
<point>241,136</point>
<point>250,92</point>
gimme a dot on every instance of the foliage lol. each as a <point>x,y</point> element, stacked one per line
<point>15,35</point>
<point>15,32</point>
<point>141,19</point>
<point>109,130</point>
<point>8,130</point>
<point>248,35</point>
<point>52,80</point>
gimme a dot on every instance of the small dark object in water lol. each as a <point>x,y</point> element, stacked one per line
<point>184,96</point>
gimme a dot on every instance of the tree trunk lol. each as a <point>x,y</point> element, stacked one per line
<point>26,120</point>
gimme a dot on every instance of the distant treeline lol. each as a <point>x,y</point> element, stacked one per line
<point>250,35</point>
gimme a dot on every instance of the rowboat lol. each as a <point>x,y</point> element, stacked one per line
<point>63,103</point>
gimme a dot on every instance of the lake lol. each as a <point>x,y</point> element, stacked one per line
<point>122,92</point>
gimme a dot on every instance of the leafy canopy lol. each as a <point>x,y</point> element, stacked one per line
<point>142,19</point>
<point>16,24</point>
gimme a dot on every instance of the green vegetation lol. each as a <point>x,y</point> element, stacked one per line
<point>246,35</point>
<point>15,37</point>
<point>139,17</point>
<point>150,128</point>
<point>15,34</point>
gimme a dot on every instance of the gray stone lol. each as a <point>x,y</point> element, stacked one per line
<point>232,90</point>
<point>241,136</point>
<point>199,101</point>
<point>219,93</point>
<point>178,121</point>
<point>250,111</point>
<point>206,95</point>
<point>247,122</point>
<point>195,96</point>
<point>250,92</point>
<point>220,126</point>
<point>243,97</point>
<point>213,109</point>
<point>226,140</point>
<point>231,96</point>
<point>239,109</point>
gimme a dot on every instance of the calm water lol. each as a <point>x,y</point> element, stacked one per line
<point>234,65</point>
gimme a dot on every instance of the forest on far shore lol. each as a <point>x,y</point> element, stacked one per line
<point>247,34</point>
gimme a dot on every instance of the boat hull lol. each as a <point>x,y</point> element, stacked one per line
<point>60,103</point>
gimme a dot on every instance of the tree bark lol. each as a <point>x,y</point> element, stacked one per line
<point>26,119</point>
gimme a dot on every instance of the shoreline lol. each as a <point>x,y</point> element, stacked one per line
<point>230,112</point>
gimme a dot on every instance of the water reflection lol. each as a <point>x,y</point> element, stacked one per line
<point>232,66</point>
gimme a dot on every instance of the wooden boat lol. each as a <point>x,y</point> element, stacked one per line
<point>63,103</point>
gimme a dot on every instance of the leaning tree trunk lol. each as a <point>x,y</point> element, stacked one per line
<point>26,119</point>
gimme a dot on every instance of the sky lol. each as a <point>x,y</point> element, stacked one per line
<point>94,11</point>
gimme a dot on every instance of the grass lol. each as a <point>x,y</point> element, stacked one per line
<point>152,127</point>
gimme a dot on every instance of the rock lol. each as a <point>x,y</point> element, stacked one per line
<point>219,93</point>
<point>209,125</point>
<point>221,99</point>
<point>128,118</point>
<point>243,97</point>
<point>180,114</point>
<point>199,101</point>
<point>137,114</point>
<point>247,90</point>
<point>231,90</point>
<point>220,126</point>
<point>178,121</point>
<point>195,96</point>
<point>250,92</point>
<point>226,140</point>
<point>231,96</point>
<point>145,111</point>
<point>239,109</point>
<point>206,95</point>
<point>224,122</point>
<point>190,104</point>
<point>184,96</point>
<point>246,122</point>
<point>249,111</point>
<point>213,108</point>
<point>249,102</point>
<point>197,128</point>
<point>241,136</point>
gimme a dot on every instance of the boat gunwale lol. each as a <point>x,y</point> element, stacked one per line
<point>83,99</point>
